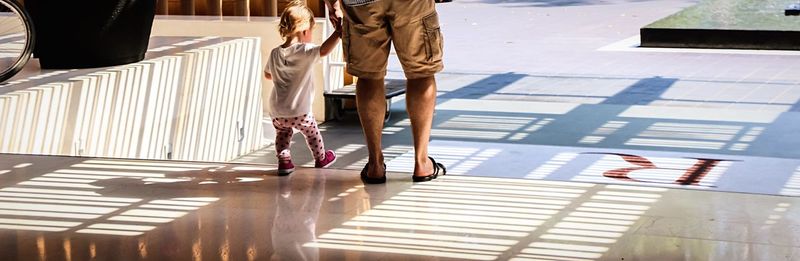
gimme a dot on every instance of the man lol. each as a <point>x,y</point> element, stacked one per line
<point>369,26</point>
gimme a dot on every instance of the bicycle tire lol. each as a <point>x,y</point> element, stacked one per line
<point>25,54</point>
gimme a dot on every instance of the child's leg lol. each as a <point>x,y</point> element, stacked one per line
<point>283,137</point>
<point>308,127</point>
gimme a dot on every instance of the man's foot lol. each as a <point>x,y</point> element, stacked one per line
<point>370,180</point>
<point>438,169</point>
<point>330,157</point>
<point>285,167</point>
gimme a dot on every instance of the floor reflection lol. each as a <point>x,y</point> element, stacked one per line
<point>297,209</point>
<point>60,208</point>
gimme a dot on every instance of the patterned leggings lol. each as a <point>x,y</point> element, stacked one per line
<point>307,125</point>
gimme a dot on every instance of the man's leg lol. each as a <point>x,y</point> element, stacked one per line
<point>371,104</point>
<point>366,46</point>
<point>417,40</point>
<point>420,102</point>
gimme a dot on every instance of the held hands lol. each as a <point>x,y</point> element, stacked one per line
<point>337,28</point>
<point>335,14</point>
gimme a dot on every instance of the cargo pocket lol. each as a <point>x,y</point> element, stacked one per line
<point>433,37</point>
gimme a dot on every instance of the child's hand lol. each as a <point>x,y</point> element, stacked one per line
<point>338,28</point>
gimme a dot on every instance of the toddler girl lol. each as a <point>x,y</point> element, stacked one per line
<point>290,67</point>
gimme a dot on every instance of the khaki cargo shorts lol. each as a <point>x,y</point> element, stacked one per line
<point>411,25</point>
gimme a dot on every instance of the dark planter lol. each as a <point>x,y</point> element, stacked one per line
<point>90,33</point>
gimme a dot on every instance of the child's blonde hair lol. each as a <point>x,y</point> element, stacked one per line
<point>296,18</point>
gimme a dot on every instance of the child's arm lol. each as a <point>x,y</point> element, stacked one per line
<point>334,12</point>
<point>330,43</point>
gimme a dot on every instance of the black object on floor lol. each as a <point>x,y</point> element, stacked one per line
<point>793,9</point>
<point>90,33</point>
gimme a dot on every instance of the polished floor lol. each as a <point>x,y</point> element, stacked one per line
<point>70,208</point>
<point>562,142</point>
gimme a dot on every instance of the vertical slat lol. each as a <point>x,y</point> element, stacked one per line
<point>241,7</point>
<point>187,7</point>
<point>162,7</point>
<point>317,7</point>
<point>273,8</point>
<point>282,4</point>
<point>258,7</point>
<point>214,7</point>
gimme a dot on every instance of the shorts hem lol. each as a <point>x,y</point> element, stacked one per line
<point>366,75</point>
<point>426,74</point>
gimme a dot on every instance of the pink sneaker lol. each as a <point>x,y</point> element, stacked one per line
<point>330,157</point>
<point>285,167</point>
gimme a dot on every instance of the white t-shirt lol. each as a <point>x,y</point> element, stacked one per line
<point>292,71</point>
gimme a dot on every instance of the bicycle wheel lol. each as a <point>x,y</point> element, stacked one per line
<point>16,38</point>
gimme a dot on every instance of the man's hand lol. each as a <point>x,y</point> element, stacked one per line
<point>334,13</point>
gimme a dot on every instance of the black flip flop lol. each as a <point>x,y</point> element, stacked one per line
<point>437,168</point>
<point>371,180</point>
